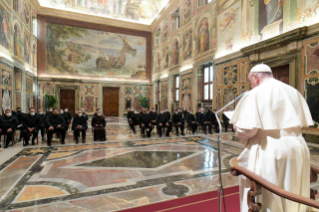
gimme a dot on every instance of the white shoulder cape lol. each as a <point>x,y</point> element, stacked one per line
<point>272,105</point>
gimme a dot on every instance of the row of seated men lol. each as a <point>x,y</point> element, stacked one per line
<point>147,119</point>
<point>52,122</point>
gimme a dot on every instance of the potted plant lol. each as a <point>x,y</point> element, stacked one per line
<point>49,101</point>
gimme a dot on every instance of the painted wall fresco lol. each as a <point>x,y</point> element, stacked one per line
<point>187,45</point>
<point>5,27</point>
<point>164,95</point>
<point>6,87</point>
<point>309,82</point>
<point>18,88</point>
<point>84,52</point>
<point>128,10</point>
<point>228,26</point>
<point>203,36</point>
<point>195,35</point>
<point>133,95</point>
<point>230,81</point>
<point>29,92</point>
<point>89,97</point>
<point>186,91</point>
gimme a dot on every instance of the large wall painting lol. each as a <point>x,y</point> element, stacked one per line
<point>5,28</point>
<point>85,52</point>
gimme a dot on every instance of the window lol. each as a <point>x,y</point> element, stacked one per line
<point>34,26</point>
<point>176,93</point>
<point>175,20</point>
<point>208,77</point>
<point>16,5</point>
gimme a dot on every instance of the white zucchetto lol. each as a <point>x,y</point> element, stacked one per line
<point>260,68</point>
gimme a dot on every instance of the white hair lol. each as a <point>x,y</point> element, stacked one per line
<point>263,75</point>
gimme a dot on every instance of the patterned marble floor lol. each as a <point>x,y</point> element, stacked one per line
<point>111,176</point>
<point>123,172</point>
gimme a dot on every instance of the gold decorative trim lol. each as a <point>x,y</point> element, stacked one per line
<point>92,19</point>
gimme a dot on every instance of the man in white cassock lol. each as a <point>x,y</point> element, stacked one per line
<point>270,118</point>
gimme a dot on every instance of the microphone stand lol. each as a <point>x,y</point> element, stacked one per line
<point>219,143</point>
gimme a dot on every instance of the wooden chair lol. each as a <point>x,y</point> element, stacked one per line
<point>12,140</point>
<point>29,134</point>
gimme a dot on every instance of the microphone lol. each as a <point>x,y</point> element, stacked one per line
<point>233,101</point>
<point>220,185</point>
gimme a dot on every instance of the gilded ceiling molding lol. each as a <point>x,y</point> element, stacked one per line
<point>163,14</point>
<point>92,19</point>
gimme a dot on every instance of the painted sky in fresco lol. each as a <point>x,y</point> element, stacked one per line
<point>140,11</point>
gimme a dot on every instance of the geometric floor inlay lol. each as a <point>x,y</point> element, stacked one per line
<point>139,159</point>
<point>113,175</point>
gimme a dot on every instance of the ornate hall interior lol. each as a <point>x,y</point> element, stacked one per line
<point>117,57</point>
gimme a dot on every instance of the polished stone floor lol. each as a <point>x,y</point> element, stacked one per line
<point>123,172</point>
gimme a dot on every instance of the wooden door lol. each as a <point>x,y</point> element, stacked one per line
<point>111,101</point>
<point>281,73</point>
<point>67,100</point>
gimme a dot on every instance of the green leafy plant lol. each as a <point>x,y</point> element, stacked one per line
<point>49,101</point>
<point>144,101</point>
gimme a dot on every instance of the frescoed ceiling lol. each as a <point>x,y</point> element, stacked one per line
<point>139,11</point>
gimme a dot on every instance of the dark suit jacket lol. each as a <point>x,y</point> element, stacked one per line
<point>32,121</point>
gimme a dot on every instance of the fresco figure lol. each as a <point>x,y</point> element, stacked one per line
<point>26,49</point>
<point>274,10</point>
<point>165,58</point>
<point>187,9</point>
<point>186,100</point>
<point>187,50</point>
<point>6,99</point>
<point>5,30</point>
<point>26,13</point>
<point>203,36</point>
<point>175,51</point>
<point>158,63</point>
<point>17,42</point>
<point>165,30</point>
<point>34,55</point>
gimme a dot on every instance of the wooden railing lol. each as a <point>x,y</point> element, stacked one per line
<point>257,182</point>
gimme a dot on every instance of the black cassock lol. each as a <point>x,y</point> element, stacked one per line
<point>99,132</point>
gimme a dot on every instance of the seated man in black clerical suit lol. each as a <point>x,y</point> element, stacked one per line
<point>43,125</point>
<point>67,115</point>
<point>79,125</point>
<point>204,121</point>
<point>55,123</point>
<point>191,121</point>
<point>20,116</point>
<point>153,115</point>
<point>162,121</point>
<point>145,123</point>
<point>8,124</point>
<point>32,125</point>
<point>213,120</point>
<point>132,118</point>
<point>98,125</point>
<point>178,122</point>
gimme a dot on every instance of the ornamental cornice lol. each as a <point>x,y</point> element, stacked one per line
<point>171,4</point>
<point>35,5</point>
<point>92,19</point>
